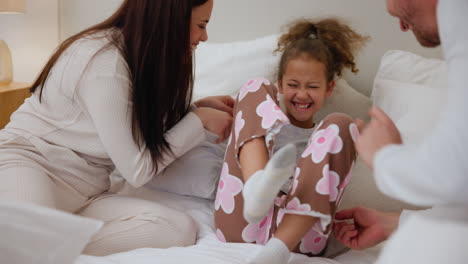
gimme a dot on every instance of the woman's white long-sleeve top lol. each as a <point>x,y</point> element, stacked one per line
<point>86,107</point>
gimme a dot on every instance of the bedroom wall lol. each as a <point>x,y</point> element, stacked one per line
<point>247,19</point>
<point>31,36</point>
<point>235,20</point>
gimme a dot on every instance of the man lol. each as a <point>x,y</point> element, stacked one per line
<point>433,173</point>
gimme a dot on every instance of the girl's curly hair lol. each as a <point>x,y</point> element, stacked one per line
<point>328,41</point>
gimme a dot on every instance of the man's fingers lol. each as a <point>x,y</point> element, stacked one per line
<point>337,228</point>
<point>343,231</point>
<point>360,124</point>
<point>347,236</point>
<point>379,115</point>
<point>345,214</point>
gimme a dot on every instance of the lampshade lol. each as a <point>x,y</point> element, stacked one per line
<point>12,6</point>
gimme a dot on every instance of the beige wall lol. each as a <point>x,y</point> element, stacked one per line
<point>31,36</point>
<point>73,20</point>
<point>246,19</point>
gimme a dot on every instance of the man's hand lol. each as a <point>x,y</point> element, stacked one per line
<point>223,103</point>
<point>370,227</point>
<point>380,132</point>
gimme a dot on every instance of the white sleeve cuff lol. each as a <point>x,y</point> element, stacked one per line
<point>405,215</point>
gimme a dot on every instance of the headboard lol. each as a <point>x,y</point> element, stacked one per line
<point>236,20</point>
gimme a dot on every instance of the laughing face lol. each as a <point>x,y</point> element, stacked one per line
<point>304,87</point>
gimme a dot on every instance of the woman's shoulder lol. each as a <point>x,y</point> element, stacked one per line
<point>97,53</point>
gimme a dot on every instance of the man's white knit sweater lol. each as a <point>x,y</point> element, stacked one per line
<point>436,171</point>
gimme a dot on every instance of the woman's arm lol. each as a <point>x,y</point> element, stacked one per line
<point>106,99</point>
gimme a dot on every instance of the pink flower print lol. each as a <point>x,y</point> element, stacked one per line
<point>220,236</point>
<point>293,206</point>
<point>270,112</point>
<point>313,242</point>
<point>251,87</point>
<point>345,182</point>
<point>295,180</point>
<point>239,124</point>
<point>354,131</point>
<point>328,184</point>
<point>322,142</point>
<point>260,232</point>
<point>228,187</point>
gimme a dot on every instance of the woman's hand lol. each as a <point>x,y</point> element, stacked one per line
<point>370,227</point>
<point>223,103</point>
<point>216,121</point>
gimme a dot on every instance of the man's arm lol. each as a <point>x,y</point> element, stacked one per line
<point>369,227</point>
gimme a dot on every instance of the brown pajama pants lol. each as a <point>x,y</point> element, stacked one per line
<point>322,172</point>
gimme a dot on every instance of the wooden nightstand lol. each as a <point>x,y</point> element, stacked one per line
<point>11,97</point>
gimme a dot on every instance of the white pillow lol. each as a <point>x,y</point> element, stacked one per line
<point>36,234</point>
<point>221,69</point>
<point>412,93</point>
<point>196,173</point>
<point>412,90</point>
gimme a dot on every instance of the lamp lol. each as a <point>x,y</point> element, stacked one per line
<point>6,64</point>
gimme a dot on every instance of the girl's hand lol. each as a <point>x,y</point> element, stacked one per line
<point>223,103</point>
<point>216,121</point>
<point>369,227</point>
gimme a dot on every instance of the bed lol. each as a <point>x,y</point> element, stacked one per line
<point>208,249</point>
<point>389,78</point>
<point>401,78</point>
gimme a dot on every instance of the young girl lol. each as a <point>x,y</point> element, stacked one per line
<point>296,216</point>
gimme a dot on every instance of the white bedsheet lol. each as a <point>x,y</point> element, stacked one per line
<point>208,249</point>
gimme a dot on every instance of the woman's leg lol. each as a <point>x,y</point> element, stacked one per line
<point>257,119</point>
<point>27,184</point>
<point>26,194</point>
<point>131,223</point>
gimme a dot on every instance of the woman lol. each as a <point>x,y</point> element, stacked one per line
<point>114,97</point>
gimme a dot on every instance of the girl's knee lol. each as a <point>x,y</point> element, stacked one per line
<point>346,124</point>
<point>339,119</point>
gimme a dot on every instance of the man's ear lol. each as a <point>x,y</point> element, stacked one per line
<point>330,88</point>
<point>280,86</point>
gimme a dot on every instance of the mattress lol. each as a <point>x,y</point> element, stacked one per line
<point>208,249</point>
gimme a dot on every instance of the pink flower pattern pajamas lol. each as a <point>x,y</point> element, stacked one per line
<point>322,173</point>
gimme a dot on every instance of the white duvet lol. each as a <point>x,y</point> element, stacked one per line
<point>208,249</point>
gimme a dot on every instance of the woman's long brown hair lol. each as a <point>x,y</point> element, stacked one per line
<point>157,50</point>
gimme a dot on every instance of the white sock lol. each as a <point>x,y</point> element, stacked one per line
<point>274,252</point>
<point>263,186</point>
